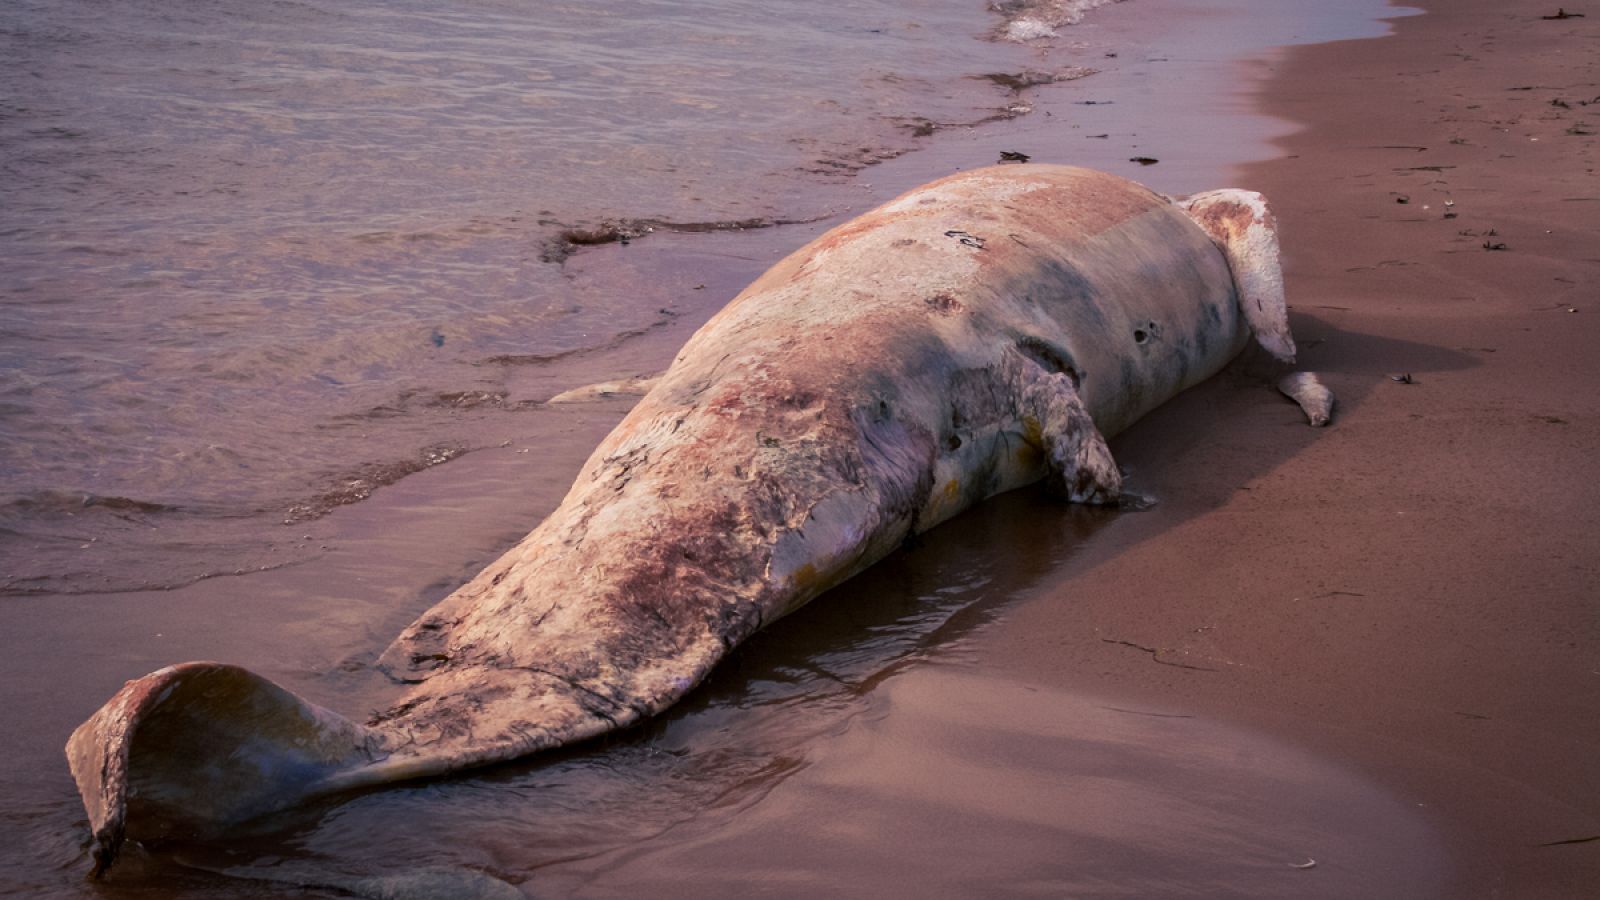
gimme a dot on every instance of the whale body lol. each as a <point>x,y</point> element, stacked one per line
<point>981,333</point>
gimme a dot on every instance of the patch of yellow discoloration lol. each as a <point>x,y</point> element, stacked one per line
<point>1032,433</point>
<point>805,578</point>
<point>1029,456</point>
<point>952,490</point>
<point>1029,452</point>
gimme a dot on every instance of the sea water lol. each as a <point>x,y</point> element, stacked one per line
<point>260,257</point>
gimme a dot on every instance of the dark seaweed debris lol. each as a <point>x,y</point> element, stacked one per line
<point>622,231</point>
<point>1018,82</point>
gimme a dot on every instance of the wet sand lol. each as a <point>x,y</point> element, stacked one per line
<point>1388,618</point>
<point>1414,589</point>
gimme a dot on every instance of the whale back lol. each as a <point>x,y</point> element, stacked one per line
<point>1090,272</point>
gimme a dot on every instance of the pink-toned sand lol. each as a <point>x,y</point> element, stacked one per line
<point>1417,589</point>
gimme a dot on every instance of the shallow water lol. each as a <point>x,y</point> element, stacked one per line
<point>263,258</point>
<point>284,291</point>
<point>860,749</point>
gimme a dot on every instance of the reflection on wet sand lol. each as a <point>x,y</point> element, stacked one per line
<point>855,749</point>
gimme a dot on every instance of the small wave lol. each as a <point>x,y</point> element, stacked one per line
<point>353,487</point>
<point>666,317</point>
<point>544,359</point>
<point>1031,20</point>
<point>73,501</point>
<point>466,399</point>
<point>849,162</point>
<point>75,551</point>
<point>410,400</point>
<point>82,583</point>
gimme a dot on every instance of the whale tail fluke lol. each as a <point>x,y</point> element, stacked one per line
<point>193,748</point>
<point>1241,224</point>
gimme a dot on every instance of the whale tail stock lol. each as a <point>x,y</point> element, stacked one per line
<point>197,746</point>
<point>1243,227</point>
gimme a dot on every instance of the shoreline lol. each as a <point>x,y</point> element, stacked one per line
<point>397,552</point>
<point>1411,590</point>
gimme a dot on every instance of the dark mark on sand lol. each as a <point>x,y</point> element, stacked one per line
<point>1155,655</point>
<point>1153,715</point>
<point>1583,840</point>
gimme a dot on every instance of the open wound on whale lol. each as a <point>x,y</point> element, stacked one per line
<point>868,387</point>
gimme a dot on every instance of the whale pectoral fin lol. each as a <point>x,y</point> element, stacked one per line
<point>1315,400</point>
<point>196,747</point>
<point>1080,467</point>
<point>1240,223</point>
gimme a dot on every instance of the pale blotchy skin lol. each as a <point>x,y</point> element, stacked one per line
<point>1307,390</point>
<point>976,335</point>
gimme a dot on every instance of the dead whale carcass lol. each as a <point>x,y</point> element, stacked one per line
<point>975,335</point>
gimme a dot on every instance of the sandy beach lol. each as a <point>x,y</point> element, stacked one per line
<point>1354,661</point>
<point>1415,589</point>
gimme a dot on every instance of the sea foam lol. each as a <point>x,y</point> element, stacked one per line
<point>1029,20</point>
